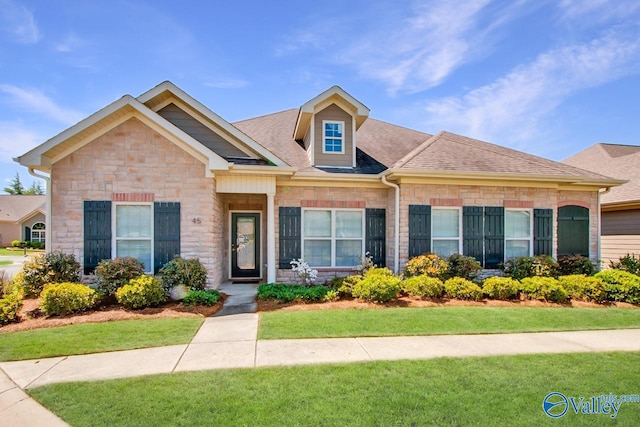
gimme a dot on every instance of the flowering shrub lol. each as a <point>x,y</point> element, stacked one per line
<point>430,264</point>
<point>59,299</point>
<point>531,266</point>
<point>307,275</point>
<point>365,265</point>
<point>54,267</point>
<point>115,273</point>
<point>466,267</point>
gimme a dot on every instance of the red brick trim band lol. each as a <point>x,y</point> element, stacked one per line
<point>332,204</point>
<point>133,197</point>
<point>518,204</point>
<point>446,202</point>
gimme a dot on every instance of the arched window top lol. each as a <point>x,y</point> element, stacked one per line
<point>38,226</point>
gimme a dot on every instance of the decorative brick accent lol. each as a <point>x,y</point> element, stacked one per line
<point>523,204</point>
<point>133,197</point>
<point>332,204</point>
<point>581,203</point>
<point>446,202</point>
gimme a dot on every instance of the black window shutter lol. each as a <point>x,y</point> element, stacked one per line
<point>166,233</point>
<point>290,235</point>
<point>27,234</point>
<point>419,230</point>
<point>97,233</point>
<point>542,231</point>
<point>493,236</point>
<point>375,235</point>
<point>573,231</point>
<point>473,232</point>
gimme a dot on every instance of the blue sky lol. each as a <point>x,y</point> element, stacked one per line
<point>546,77</point>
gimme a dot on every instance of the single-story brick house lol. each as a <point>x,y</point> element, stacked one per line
<point>161,175</point>
<point>620,207</point>
<point>22,217</point>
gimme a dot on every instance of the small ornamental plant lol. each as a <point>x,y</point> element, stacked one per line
<point>365,265</point>
<point>430,264</point>
<point>306,274</point>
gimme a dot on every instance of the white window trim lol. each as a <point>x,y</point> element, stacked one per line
<point>41,233</point>
<point>324,136</point>
<point>530,239</point>
<point>114,238</point>
<point>459,238</point>
<point>333,237</point>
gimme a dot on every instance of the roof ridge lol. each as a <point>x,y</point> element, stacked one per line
<point>419,149</point>
<point>264,115</point>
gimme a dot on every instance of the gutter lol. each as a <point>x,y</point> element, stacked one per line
<point>47,219</point>
<point>396,225</point>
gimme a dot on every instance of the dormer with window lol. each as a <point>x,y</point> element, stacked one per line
<point>327,125</point>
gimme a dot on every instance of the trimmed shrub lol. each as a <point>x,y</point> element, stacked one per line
<point>143,291</point>
<point>460,288</point>
<point>503,288</point>
<point>115,273</point>
<point>59,299</point>
<point>288,293</point>
<point>181,271</point>
<point>18,243</point>
<point>423,286</point>
<point>10,305</point>
<point>430,264</point>
<point>531,266</point>
<point>575,264</point>
<point>581,287</point>
<point>207,297</point>
<point>621,285</point>
<point>54,267</point>
<point>543,288</point>
<point>378,285</point>
<point>466,267</point>
<point>344,285</point>
<point>629,262</point>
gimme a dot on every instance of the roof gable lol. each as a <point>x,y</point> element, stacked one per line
<point>14,208</point>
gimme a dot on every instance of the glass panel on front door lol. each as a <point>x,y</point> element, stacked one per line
<point>245,245</point>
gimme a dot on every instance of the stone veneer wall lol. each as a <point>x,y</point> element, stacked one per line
<point>134,159</point>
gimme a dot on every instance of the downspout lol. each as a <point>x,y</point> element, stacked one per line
<point>600,193</point>
<point>396,225</point>
<point>47,219</point>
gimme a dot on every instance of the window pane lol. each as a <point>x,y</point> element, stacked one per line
<point>140,249</point>
<point>517,224</point>
<point>317,223</point>
<point>446,222</point>
<point>133,221</point>
<point>516,248</point>
<point>333,130</point>
<point>445,248</point>
<point>348,224</point>
<point>317,253</point>
<point>348,253</point>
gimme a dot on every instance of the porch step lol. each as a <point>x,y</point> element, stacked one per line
<point>241,298</point>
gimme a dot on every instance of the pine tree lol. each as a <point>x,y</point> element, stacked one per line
<point>15,187</point>
<point>35,189</point>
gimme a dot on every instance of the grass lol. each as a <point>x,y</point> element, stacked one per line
<point>506,390</point>
<point>16,252</point>
<point>97,337</point>
<point>440,320</point>
<point>5,262</point>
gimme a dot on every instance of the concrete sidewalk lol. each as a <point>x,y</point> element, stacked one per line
<point>231,342</point>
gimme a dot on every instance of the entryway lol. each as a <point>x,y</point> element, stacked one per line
<point>245,245</point>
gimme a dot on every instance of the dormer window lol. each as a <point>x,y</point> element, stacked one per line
<point>333,137</point>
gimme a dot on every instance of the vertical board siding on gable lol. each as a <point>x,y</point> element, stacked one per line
<point>542,231</point>
<point>493,236</point>
<point>473,232</point>
<point>290,235</point>
<point>375,235</point>
<point>419,230</point>
<point>166,233</point>
<point>97,233</point>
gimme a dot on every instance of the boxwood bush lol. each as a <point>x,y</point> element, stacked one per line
<point>181,271</point>
<point>59,299</point>
<point>621,285</point>
<point>141,292</point>
<point>344,285</point>
<point>581,287</point>
<point>423,286</point>
<point>288,293</point>
<point>115,273</point>
<point>377,285</point>
<point>53,267</point>
<point>543,288</point>
<point>11,295</point>
<point>503,288</point>
<point>460,288</point>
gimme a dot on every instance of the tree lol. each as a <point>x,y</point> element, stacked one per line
<point>15,187</point>
<point>35,189</point>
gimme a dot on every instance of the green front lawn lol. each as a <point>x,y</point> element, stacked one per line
<point>5,262</point>
<point>440,320</point>
<point>489,391</point>
<point>17,252</point>
<point>97,337</point>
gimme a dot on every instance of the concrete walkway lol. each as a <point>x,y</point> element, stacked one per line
<point>231,342</point>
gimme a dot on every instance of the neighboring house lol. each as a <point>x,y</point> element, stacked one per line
<point>162,175</point>
<point>22,218</point>
<point>620,229</point>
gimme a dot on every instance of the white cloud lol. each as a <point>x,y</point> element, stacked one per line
<point>18,22</point>
<point>16,139</point>
<point>34,101</point>
<point>597,10</point>
<point>514,104</point>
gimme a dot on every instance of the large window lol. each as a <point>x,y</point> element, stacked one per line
<point>133,228</point>
<point>445,232</point>
<point>38,232</point>
<point>517,233</point>
<point>332,137</point>
<point>333,237</point>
